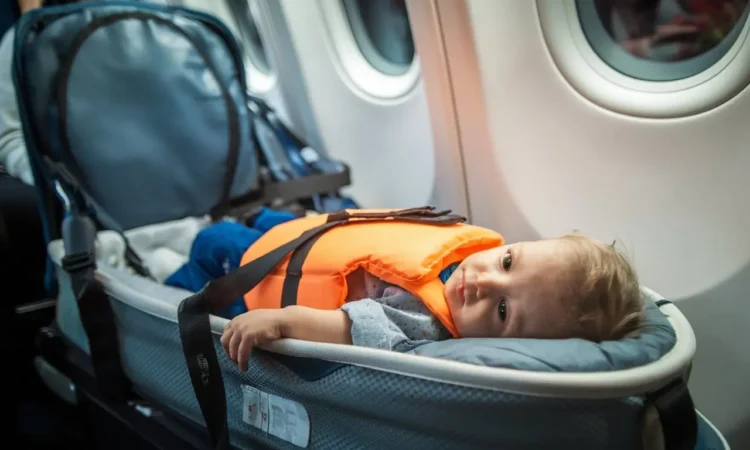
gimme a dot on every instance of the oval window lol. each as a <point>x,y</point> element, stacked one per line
<point>661,40</point>
<point>382,32</point>
<point>251,41</point>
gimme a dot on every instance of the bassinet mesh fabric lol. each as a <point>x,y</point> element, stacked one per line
<point>356,407</point>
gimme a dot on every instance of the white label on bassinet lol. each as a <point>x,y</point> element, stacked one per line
<point>281,417</point>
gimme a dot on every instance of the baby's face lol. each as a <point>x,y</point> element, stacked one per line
<point>511,291</point>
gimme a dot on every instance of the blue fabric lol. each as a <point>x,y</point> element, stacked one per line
<point>216,251</point>
<point>331,203</point>
<point>180,104</point>
<point>159,85</point>
<point>447,272</point>
<point>562,355</point>
<point>268,218</point>
<point>708,437</point>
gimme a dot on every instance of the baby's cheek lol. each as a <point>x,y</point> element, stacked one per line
<point>465,323</point>
<point>479,322</point>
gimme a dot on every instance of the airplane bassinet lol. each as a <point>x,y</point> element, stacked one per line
<point>468,393</point>
<point>137,115</point>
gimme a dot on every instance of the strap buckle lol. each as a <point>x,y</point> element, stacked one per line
<point>78,262</point>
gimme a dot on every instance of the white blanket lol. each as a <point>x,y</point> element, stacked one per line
<point>163,247</point>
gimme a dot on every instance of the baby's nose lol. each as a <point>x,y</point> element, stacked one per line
<point>487,283</point>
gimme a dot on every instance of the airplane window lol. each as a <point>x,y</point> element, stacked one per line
<point>662,40</point>
<point>251,40</point>
<point>382,32</point>
<point>237,16</point>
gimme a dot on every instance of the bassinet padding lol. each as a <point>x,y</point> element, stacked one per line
<point>570,355</point>
<point>378,398</point>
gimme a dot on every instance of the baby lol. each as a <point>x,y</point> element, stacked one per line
<point>567,287</point>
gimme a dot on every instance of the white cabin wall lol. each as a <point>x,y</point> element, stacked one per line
<point>542,160</point>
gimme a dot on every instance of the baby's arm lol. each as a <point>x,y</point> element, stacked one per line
<point>372,327</point>
<point>400,326</point>
<point>261,326</point>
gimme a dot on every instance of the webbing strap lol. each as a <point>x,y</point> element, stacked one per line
<point>673,403</point>
<point>98,320</point>
<point>679,422</point>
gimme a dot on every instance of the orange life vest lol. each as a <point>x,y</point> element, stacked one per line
<point>401,247</point>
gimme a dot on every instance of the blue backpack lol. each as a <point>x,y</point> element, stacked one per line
<point>133,113</point>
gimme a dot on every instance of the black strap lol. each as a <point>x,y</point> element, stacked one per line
<point>203,366</point>
<point>679,422</point>
<point>306,186</point>
<point>98,321</point>
<point>676,410</point>
<point>293,274</point>
<point>193,313</point>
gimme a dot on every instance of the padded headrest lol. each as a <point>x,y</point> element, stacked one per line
<point>655,339</point>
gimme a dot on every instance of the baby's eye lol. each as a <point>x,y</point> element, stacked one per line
<point>502,308</point>
<point>507,261</point>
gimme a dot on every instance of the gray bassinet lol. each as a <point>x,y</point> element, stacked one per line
<point>467,393</point>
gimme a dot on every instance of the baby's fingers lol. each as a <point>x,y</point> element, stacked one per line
<point>243,352</point>
<point>226,337</point>
<point>234,344</point>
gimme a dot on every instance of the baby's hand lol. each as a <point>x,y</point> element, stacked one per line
<point>249,330</point>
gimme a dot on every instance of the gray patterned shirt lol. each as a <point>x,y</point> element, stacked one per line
<point>396,321</point>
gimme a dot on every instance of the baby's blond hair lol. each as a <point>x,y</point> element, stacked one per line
<point>607,295</point>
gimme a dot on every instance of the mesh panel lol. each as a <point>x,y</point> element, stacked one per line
<point>362,408</point>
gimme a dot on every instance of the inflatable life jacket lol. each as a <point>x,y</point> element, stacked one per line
<point>407,248</point>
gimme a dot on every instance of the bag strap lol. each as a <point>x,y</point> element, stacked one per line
<point>193,313</point>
